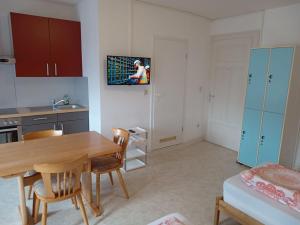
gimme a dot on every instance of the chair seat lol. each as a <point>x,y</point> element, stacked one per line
<point>105,164</point>
<point>39,187</point>
<point>30,173</point>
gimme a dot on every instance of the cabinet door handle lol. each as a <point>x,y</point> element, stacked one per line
<point>47,65</point>
<point>55,69</point>
<point>41,118</point>
<point>62,127</point>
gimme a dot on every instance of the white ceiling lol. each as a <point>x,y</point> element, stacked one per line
<point>213,9</point>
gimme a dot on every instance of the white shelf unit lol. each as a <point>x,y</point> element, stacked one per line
<point>136,153</point>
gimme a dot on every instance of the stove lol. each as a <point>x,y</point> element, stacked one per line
<point>10,128</point>
<point>8,111</point>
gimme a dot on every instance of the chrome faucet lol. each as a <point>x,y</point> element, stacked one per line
<point>65,101</point>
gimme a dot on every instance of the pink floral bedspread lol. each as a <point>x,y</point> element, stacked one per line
<point>276,182</point>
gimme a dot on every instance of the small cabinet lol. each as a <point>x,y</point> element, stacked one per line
<point>45,47</point>
<point>71,123</point>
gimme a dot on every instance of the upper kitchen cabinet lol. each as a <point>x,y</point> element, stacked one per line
<point>31,45</point>
<point>65,47</point>
<point>46,47</point>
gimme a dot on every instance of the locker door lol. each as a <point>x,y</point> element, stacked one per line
<point>278,80</point>
<point>257,78</point>
<point>250,137</point>
<point>270,140</point>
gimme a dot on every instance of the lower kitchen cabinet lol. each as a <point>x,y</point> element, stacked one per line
<point>71,127</point>
<point>69,123</point>
<point>38,127</point>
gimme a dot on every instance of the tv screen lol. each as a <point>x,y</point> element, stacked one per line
<point>123,70</point>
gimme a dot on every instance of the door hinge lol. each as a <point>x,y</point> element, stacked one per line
<point>182,129</point>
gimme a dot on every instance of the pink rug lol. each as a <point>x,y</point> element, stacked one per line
<point>171,219</point>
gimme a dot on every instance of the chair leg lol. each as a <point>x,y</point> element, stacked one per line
<point>74,202</point>
<point>122,182</point>
<point>44,216</point>
<point>111,178</point>
<point>36,209</point>
<point>98,189</point>
<point>82,209</point>
<point>217,211</point>
<point>29,192</point>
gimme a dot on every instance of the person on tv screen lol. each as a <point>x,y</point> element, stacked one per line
<point>141,75</point>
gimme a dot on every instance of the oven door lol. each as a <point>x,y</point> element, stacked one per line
<point>9,134</point>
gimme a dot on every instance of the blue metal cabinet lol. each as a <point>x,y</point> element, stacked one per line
<point>278,79</point>
<point>257,78</point>
<point>249,137</point>
<point>270,140</point>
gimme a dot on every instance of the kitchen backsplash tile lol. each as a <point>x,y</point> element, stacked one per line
<point>23,92</point>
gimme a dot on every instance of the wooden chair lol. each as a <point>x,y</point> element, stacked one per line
<point>38,135</point>
<point>59,182</point>
<point>112,163</point>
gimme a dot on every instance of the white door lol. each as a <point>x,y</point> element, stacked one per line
<point>230,56</point>
<point>168,96</point>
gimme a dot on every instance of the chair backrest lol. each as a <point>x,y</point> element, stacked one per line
<point>61,179</point>
<point>121,137</point>
<point>42,134</point>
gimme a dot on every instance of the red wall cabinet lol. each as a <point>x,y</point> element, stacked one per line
<point>46,47</point>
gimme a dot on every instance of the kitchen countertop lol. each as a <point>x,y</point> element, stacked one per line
<point>35,111</point>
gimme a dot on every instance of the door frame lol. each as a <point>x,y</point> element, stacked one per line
<point>154,85</point>
<point>255,37</point>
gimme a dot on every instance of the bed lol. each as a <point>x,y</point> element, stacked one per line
<point>248,206</point>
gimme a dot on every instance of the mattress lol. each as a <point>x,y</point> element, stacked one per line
<point>257,205</point>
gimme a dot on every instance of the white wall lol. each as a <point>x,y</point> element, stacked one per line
<point>278,26</point>
<point>22,92</point>
<point>129,28</point>
<point>89,16</point>
<point>237,24</point>
<point>281,26</point>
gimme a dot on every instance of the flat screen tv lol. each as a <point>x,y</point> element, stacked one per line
<point>123,70</point>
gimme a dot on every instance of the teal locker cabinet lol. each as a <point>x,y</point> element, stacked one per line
<point>270,130</point>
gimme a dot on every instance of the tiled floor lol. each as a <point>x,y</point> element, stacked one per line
<point>184,179</point>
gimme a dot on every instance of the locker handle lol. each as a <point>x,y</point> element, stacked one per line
<point>262,140</point>
<point>270,78</point>
<point>243,134</point>
<point>249,79</point>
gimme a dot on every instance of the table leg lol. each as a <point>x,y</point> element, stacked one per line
<point>22,200</point>
<point>87,193</point>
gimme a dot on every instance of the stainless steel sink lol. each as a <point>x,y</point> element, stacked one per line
<point>58,107</point>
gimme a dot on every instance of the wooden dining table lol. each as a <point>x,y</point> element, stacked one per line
<point>19,157</point>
